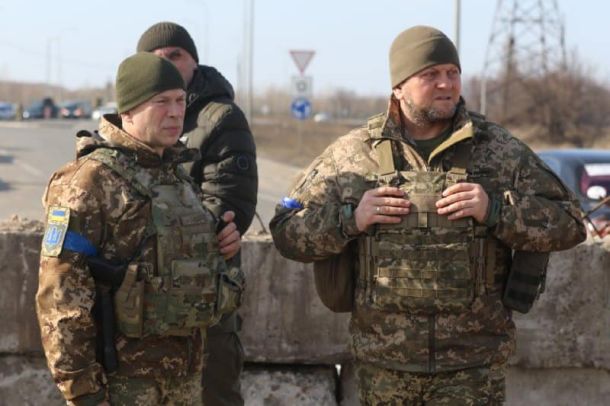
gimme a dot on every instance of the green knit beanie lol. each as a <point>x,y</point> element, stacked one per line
<point>418,48</point>
<point>142,76</point>
<point>167,34</point>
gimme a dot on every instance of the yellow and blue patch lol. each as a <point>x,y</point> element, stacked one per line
<point>58,220</point>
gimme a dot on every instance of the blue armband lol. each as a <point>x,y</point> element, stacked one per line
<point>77,243</point>
<point>290,203</point>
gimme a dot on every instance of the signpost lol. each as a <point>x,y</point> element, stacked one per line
<point>301,90</point>
<point>302,86</point>
<point>301,108</point>
<point>302,58</point>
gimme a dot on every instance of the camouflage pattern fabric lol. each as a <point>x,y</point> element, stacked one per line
<point>111,215</point>
<point>127,391</point>
<point>484,386</point>
<point>538,213</point>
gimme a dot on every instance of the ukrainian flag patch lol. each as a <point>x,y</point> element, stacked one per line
<point>55,232</point>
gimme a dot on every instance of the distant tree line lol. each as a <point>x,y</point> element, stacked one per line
<point>565,106</point>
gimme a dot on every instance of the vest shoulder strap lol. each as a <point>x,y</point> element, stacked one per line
<point>461,158</point>
<point>384,146</point>
<point>386,157</point>
<point>117,161</point>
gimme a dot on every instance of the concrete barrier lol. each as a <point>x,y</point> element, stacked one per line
<point>292,342</point>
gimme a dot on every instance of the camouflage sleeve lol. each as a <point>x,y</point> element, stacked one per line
<point>322,227</point>
<point>66,292</point>
<point>539,213</point>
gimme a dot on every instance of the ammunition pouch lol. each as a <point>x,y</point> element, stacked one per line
<point>129,303</point>
<point>526,280</point>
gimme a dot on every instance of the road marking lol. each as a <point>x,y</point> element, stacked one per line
<point>24,165</point>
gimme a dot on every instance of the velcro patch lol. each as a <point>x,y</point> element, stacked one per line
<point>55,231</point>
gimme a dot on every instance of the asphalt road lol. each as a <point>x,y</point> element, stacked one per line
<point>31,151</point>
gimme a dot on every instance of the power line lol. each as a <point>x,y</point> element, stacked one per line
<point>527,41</point>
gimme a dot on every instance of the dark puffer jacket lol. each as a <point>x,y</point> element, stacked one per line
<point>227,170</point>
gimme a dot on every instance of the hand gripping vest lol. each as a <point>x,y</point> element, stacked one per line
<point>426,264</point>
<point>191,286</point>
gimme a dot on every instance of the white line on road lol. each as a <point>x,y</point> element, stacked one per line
<point>24,165</point>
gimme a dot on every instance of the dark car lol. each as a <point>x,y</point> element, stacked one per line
<point>7,111</point>
<point>45,108</point>
<point>76,109</point>
<point>587,173</point>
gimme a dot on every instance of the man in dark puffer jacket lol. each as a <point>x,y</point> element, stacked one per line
<point>227,173</point>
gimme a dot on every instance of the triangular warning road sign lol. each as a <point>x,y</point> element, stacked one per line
<point>301,59</point>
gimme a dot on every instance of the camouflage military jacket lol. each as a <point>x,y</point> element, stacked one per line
<point>537,213</point>
<point>112,216</point>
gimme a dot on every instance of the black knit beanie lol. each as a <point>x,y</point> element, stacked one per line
<point>167,34</point>
<point>142,76</point>
<point>418,48</point>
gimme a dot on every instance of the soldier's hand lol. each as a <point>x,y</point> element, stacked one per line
<point>464,200</point>
<point>385,204</point>
<point>229,240</point>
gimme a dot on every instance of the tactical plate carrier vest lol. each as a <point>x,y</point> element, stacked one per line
<point>425,264</point>
<point>190,287</point>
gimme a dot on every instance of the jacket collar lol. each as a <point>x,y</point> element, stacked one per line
<point>207,83</point>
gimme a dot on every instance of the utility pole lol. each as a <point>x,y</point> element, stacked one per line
<point>456,24</point>
<point>246,65</point>
<point>48,78</point>
<point>251,66</point>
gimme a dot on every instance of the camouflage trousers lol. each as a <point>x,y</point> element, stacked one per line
<point>128,391</point>
<point>223,365</point>
<point>474,386</point>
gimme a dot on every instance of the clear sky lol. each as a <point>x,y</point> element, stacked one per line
<point>88,39</point>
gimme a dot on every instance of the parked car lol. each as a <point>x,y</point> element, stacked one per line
<point>76,109</point>
<point>322,117</point>
<point>108,108</point>
<point>7,111</point>
<point>45,108</point>
<point>587,173</point>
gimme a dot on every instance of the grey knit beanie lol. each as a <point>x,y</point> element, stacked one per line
<point>167,34</point>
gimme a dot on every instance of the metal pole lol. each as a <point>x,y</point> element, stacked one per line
<point>49,43</point>
<point>251,65</point>
<point>456,33</point>
<point>206,24</point>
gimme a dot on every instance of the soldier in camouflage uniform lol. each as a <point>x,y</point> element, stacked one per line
<point>227,173</point>
<point>434,199</point>
<point>127,201</point>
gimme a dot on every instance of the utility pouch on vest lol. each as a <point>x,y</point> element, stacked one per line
<point>129,303</point>
<point>230,289</point>
<point>192,296</point>
<point>525,280</point>
<point>334,280</point>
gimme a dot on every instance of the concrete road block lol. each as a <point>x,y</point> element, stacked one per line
<point>570,324</point>
<point>27,381</point>
<point>304,386</point>
<point>19,256</point>
<point>283,319</point>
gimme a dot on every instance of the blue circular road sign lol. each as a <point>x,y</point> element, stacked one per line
<point>301,108</point>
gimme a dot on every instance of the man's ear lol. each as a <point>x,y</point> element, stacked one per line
<point>126,117</point>
<point>397,92</point>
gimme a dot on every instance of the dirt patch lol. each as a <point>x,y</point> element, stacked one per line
<point>298,142</point>
<point>295,142</point>
<point>17,224</point>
